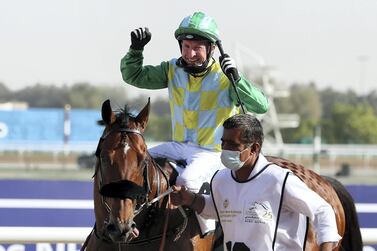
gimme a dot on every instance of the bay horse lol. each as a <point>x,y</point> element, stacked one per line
<point>131,205</point>
<point>132,214</point>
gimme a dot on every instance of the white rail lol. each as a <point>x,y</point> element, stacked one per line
<point>27,235</point>
<point>369,236</point>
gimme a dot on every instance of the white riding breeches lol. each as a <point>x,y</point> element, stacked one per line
<point>201,163</point>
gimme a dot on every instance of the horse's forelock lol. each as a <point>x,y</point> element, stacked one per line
<point>123,116</point>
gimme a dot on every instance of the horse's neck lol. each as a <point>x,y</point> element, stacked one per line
<point>158,180</point>
<point>167,169</point>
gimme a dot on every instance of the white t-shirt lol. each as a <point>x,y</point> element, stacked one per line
<point>298,203</point>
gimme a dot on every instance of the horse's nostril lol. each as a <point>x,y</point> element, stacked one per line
<point>133,225</point>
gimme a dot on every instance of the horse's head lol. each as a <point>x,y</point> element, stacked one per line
<point>121,182</point>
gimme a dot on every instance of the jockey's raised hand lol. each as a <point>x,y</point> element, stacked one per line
<point>229,67</point>
<point>140,37</point>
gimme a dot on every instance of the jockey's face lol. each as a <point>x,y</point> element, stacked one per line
<point>195,52</point>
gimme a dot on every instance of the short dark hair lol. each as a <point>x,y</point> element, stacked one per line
<point>252,130</point>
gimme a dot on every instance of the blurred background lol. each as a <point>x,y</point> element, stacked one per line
<point>59,60</point>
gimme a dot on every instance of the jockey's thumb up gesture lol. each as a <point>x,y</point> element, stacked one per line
<point>139,38</point>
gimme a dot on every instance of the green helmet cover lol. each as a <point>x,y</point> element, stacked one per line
<point>198,24</point>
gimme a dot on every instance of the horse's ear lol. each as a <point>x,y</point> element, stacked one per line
<point>108,115</point>
<point>142,117</point>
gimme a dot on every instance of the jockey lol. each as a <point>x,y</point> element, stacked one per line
<point>201,96</point>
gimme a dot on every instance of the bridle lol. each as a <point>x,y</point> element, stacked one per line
<point>125,188</point>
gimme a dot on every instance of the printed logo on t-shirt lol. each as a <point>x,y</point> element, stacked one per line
<point>257,212</point>
<point>226,203</point>
<point>228,213</point>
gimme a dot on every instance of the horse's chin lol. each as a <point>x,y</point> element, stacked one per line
<point>118,239</point>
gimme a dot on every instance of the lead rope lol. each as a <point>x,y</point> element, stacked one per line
<point>162,245</point>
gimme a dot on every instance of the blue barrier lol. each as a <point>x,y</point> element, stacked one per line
<point>47,124</point>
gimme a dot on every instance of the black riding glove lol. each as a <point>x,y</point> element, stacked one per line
<point>139,38</point>
<point>229,67</point>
